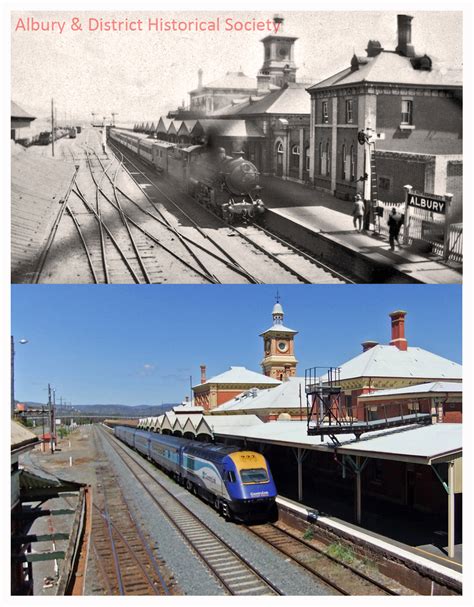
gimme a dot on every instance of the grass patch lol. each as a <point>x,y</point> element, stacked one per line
<point>341,552</point>
<point>309,533</point>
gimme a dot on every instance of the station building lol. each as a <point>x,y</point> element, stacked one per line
<point>215,391</point>
<point>411,107</point>
<point>20,119</point>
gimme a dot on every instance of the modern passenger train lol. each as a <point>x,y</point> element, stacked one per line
<point>237,483</point>
<point>228,185</point>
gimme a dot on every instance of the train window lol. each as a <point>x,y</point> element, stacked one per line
<point>254,475</point>
<point>231,476</point>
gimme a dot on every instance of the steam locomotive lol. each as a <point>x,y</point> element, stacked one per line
<point>226,184</point>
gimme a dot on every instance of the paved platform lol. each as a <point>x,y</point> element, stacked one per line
<point>330,219</point>
<point>429,558</point>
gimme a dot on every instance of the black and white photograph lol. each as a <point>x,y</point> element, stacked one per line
<point>234,284</point>
<point>243,148</point>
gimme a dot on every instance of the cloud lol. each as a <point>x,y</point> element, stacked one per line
<point>147,370</point>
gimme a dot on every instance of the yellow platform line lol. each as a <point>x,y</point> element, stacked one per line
<point>443,558</point>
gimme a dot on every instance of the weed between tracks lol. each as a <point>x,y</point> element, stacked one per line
<point>341,552</point>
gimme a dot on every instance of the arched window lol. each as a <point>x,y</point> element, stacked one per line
<point>295,156</point>
<point>279,148</point>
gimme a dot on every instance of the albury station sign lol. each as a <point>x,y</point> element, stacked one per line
<point>419,201</point>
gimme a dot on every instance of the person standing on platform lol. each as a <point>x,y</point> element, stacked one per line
<point>395,221</point>
<point>358,210</point>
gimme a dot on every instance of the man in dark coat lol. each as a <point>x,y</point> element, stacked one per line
<point>395,222</point>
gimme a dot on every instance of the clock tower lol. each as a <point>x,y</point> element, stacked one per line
<point>278,60</point>
<point>279,360</point>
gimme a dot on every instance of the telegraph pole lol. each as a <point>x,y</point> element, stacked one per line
<point>52,126</point>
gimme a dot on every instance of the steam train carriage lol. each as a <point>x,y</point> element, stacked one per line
<point>227,185</point>
<point>238,483</point>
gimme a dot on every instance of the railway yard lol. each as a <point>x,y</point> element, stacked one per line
<point>146,535</point>
<point>120,222</point>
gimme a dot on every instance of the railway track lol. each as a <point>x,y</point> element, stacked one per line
<point>233,571</point>
<point>123,556</point>
<point>342,577</point>
<point>304,267</point>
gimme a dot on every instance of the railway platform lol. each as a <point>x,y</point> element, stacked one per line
<point>323,225</point>
<point>426,559</point>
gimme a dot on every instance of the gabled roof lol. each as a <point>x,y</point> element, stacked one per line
<point>389,361</point>
<point>241,375</point>
<point>21,436</point>
<point>436,387</point>
<point>163,125</point>
<point>232,128</point>
<point>391,68</point>
<point>18,112</point>
<point>293,99</point>
<point>232,80</point>
<point>285,396</point>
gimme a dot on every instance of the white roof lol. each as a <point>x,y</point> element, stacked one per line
<point>279,328</point>
<point>389,361</point>
<point>211,424</point>
<point>409,443</point>
<point>434,387</point>
<point>284,396</point>
<point>241,375</point>
<point>187,408</point>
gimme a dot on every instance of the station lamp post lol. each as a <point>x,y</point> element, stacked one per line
<point>22,342</point>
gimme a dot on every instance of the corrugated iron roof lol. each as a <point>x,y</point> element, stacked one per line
<point>232,128</point>
<point>285,396</point>
<point>241,375</point>
<point>293,99</point>
<point>21,436</point>
<point>430,387</point>
<point>389,361</point>
<point>411,443</point>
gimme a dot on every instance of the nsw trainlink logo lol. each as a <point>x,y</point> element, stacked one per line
<point>259,494</point>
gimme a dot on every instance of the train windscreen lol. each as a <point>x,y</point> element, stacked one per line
<point>254,475</point>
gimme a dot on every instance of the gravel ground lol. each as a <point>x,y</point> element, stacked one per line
<point>288,577</point>
<point>191,575</point>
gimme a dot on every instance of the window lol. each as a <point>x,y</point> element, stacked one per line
<point>254,475</point>
<point>407,111</point>
<point>352,161</point>
<point>279,148</point>
<point>349,114</point>
<point>325,112</point>
<point>231,476</point>
<point>328,160</point>
<point>343,162</point>
<point>306,158</point>
<point>295,156</point>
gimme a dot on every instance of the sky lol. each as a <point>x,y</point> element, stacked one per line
<point>140,344</point>
<point>141,75</point>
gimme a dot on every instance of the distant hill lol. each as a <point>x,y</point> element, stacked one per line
<point>108,410</point>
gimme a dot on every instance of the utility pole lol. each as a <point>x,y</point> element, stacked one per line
<point>13,375</point>
<point>113,117</point>
<point>52,126</point>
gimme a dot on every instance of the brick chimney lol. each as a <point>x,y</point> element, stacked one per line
<point>203,374</point>
<point>367,345</point>
<point>404,47</point>
<point>263,83</point>
<point>398,330</point>
<point>199,78</point>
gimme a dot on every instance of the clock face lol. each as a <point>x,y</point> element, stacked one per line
<point>282,51</point>
<point>282,346</point>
